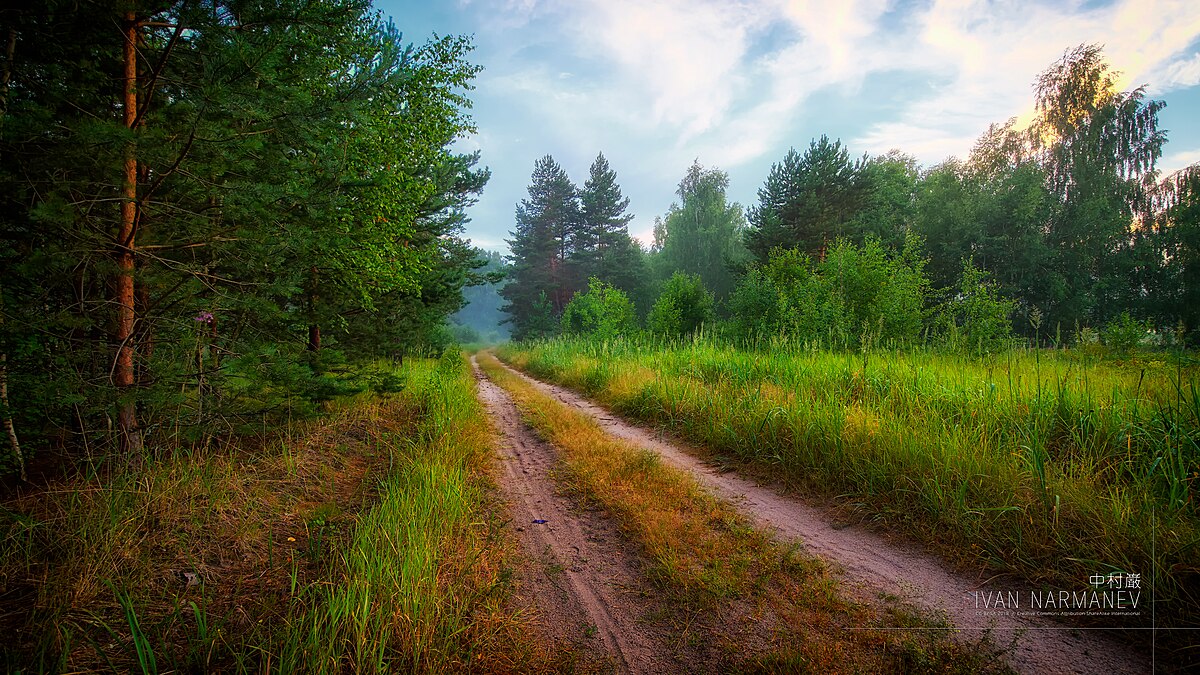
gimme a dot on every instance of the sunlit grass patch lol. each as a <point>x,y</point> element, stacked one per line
<point>1047,464</point>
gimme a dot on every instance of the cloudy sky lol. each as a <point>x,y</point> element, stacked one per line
<point>655,84</point>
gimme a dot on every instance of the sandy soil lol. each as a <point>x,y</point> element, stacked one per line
<point>579,572</point>
<point>879,566</point>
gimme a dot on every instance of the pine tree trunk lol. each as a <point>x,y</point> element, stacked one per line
<point>314,338</point>
<point>10,430</point>
<point>123,287</point>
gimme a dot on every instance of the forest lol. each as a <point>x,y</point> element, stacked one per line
<point>230,218</point>
<point>267,408</point>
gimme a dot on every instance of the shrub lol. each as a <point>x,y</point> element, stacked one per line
<point>755,305</point>
<point>1124,334</point>
<point>682,308</point>
<point>857,296</point>
<point>979,317</point>
<point>603,312</point>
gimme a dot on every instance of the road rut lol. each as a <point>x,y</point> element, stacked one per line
<point>583,578</point>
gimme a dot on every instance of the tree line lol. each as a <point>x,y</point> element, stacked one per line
<point>206,204</point>
<point>1059,231</point>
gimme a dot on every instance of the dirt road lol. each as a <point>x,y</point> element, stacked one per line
<point>580,573</point>
<point>876,565</point>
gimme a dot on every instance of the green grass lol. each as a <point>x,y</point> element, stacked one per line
<point>1045,464</point>
<point>365,541</point>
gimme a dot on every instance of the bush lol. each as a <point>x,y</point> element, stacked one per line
<point>978,317</point>
<point>541,322</point>
<point>603,312</point>
<point>682,308</point>
<point>1124,334</point>
<point>463,334</point>
<point>857,297</point>
<point>755,305</point>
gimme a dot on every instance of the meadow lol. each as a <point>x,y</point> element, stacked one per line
<point>1053,466</point>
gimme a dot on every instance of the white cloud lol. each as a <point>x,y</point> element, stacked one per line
<point>1179,74</point>
<point>993,53</point>
<point>1177,160</point>
<point>656,83</point>
<point>684,59</point>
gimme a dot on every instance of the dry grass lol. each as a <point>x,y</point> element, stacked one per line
<point>711,558</point>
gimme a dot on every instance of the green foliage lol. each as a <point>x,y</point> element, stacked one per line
<point>859,296</point>
<point>978,318</point>
<point>294,177</point>
<point>542,321</point>
<point>603,312</point>
<point>1125,334</point>
<point>702,234</point>
<point>1096,145</point>
<point>807,200</point>
<point>755,307</point>
<point>683,307</point>
<point>1174,297</point>
<point>565,236</point>
<point>603,247</point>
<point>541,269</point>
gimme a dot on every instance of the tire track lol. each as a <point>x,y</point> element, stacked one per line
<point>584,582</point>
<point>876,565</point>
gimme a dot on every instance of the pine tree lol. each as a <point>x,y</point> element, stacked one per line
<point>807,201</point>
<point>253,174</point>
<point>605,249</point>
<point>547,229</point>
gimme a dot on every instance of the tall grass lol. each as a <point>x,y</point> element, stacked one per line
<point>1045,464</point>
<point>363,542</point>
<point>409,583</point>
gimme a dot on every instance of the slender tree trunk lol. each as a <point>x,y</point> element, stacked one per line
<point>9,49</point>
<point>123,286</point>
<point>9,429</point>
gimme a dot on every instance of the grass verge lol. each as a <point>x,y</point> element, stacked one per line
<point>361,542</point>
<point>704,554</point>
<point>1048,466</point>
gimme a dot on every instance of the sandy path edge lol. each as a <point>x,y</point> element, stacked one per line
<point>875,563</point>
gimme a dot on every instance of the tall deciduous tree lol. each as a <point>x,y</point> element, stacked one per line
<point>1098,146</point>
<point>702,234</point>
<point>1175,291</point>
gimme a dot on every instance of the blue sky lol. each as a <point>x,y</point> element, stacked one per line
<point>656,84</point>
